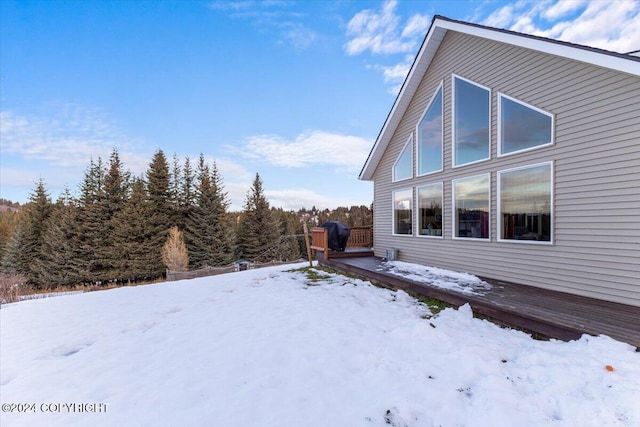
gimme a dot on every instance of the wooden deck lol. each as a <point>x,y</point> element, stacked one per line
<point>546,313</point>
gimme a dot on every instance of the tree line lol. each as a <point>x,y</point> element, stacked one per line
<point>115,230</point>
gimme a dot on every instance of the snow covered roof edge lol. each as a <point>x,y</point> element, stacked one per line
<point>625,63</point>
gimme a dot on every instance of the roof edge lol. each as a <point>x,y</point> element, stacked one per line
<point>626,63</point>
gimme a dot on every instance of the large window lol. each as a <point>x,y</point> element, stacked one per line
<point>521,126</point>
<point>430,210</point>
<point>524,203</point>
<point>403,212</point>
<point>471,122</point>
<point>471,207</point>
<point>403,168</point>
<point>429,133</point>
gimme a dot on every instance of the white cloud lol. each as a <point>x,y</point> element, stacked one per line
<point>610,25</point>
<point>57,146</point>
<point>310,148</point>
<point>271,16</point>
<point>395,74</point>
<point>68,135</point>
<point>417,25</point>
<point>500,18</point>
<point>298,35</point>
<point>379,32</point>
<point>294,199</point>
<point>562,8</point>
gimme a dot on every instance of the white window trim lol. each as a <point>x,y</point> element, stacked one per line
<point>453,210</point>
<point>393,170</point>
<point>453,121</point>
<point>499,215</point>
<point>393,212</point>
<point>417,209</point>
<point>499,130</point>
<point>424,113</point>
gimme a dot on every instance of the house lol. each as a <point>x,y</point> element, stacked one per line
<point>515,158</point>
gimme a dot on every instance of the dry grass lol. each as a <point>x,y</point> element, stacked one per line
<point>11,287</point>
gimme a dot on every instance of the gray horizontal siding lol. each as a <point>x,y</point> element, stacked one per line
<point>596,155</point>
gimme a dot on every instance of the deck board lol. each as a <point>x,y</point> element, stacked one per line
<point>547,313</point>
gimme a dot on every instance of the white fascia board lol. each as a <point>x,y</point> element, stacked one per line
<point>548,46</point>
<point>423,59</point>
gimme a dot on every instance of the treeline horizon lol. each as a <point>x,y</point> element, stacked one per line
<point>115,229</point>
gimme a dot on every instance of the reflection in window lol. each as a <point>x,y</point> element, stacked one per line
<point>522,126</point>
<point>430,210</point>
<point>429,133</point>
<point>471,207</point>
<point>471,122</point>
<point>403,168</point>
<point>525,203</point>
<point>402,211</point>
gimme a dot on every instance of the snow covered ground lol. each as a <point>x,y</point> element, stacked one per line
<point>271,347</point>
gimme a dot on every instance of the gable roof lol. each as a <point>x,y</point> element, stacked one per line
<point>440,25</point>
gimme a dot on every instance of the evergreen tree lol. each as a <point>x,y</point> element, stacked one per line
<point>60,263</point>
<point>26,245</point>
<point>183,186</point>
<point>92,220</point>
<point>258,232</point>
<point>162,217</point>
<point>291,227</point>
<point>116,189</point>
<point>133,236</point>
<point>209,235</point>
<point>9,221</point>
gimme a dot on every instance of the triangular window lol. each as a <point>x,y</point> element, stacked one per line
<point>403,168</point>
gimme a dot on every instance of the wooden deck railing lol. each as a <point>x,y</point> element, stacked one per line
<point>359,237</point>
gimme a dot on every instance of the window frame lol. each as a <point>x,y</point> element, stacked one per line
<point>393,211</point>
<point>417,209</point>
<point>499,126</point>
<point>440,89</point>
<point>454,223</point>
<point>409,145</point>
<point>551,211</point>
<point>453,121</point>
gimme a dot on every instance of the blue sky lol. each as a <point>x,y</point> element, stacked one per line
<point>294,90</point>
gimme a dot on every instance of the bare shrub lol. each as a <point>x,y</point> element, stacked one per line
<point>174,251</point>
<point>11,286</point>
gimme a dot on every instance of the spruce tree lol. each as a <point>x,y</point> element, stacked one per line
<point>92,220</point>
<point>133,236</point>
<point>116,189</point>
<point>26,246</point>
<point>162,217</point>
<point>258,232</point>
<point>209,236</point>
<point>60,263</point>
<point>291,226</point>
